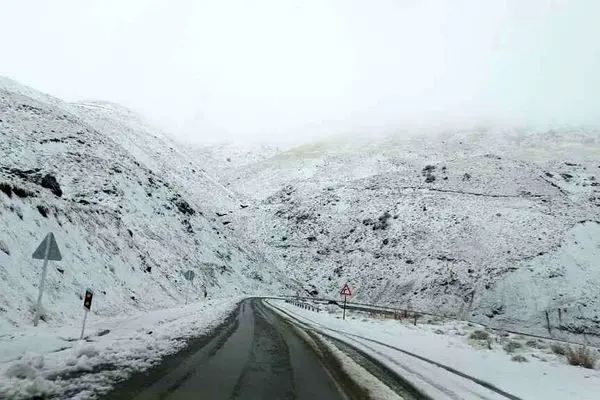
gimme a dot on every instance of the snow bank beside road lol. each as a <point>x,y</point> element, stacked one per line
<point>52,361</point>
<point>544,375</point>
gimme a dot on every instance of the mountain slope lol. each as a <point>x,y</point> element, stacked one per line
<point>125,229</point>
<point>496,226</point>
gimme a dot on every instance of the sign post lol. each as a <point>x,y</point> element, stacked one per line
<point>47,250</point>
<point>87,305</point>
<point>345,292</point>
<point>189,275</point>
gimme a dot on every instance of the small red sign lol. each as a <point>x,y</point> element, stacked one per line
<point>346,290</point>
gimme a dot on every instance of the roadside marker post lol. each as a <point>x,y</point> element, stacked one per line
<point>345,292</point>
<point>87,305</point>
<point>47,250</point>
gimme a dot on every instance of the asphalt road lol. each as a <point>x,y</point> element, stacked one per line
<point>256,355</point>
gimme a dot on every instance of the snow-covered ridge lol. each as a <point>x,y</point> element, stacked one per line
<point>158,152</point>
<point>469,223</point>
<point>498,226</point>
<point>129,208</point>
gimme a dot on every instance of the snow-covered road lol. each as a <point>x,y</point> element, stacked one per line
<point>51,361</point>
<point>252,356</point>
<point>543,376</point>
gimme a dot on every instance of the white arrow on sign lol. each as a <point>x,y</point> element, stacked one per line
<point>47,250</point>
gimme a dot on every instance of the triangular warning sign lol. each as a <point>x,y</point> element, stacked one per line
<point>53,251</point>
<point>346,291</point>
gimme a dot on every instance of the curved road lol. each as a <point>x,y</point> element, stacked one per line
<point>256,355</point>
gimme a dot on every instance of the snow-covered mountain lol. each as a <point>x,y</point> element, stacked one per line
<point>498,226</point>
<point>131,211</point>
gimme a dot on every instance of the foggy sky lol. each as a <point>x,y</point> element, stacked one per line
<point>273,70</point>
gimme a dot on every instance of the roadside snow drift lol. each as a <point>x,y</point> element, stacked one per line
<point>518,366</point>
<point>53,362</point>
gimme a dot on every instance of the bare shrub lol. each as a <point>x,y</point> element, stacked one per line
<point>512,346</point>
<point>535,344</point>
<point>582,357</point>
<point>519,358</point>
<point>479,335</point>
<point>558,349</point>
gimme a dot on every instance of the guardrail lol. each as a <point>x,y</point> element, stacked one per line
<point>399,313</point>
<point>301,304</point>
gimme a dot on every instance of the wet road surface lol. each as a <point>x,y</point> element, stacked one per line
<point>258,356</point>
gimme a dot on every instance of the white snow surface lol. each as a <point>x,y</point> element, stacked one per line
<point>130,210</point>
<point>544,375</point>
<point>377,389</point>
<point>497,226</point>
<point>52,361</point>
<point>128,225</point>
<point>500,226</point>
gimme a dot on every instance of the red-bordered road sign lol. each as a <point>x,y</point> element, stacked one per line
<point>346,290</point>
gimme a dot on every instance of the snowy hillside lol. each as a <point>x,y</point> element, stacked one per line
<point>158,152</point>
<point>126,209</point>
<point>499,226</point>
<point>234,155</point>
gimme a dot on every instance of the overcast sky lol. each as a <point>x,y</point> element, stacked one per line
<point>269,70</point>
